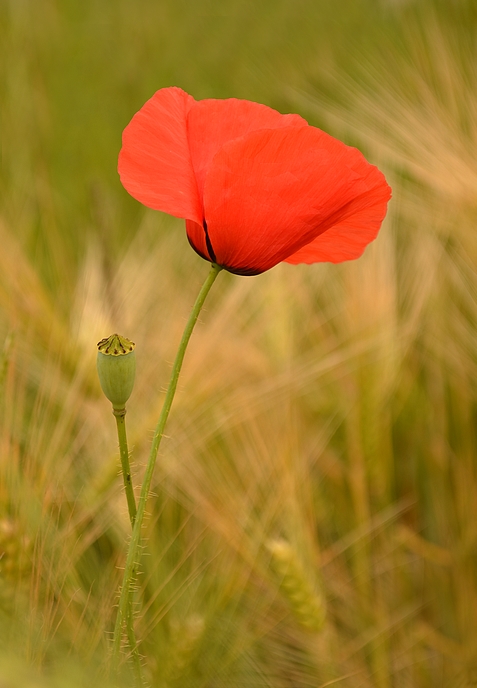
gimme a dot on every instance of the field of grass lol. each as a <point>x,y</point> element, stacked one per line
<point>313,520</point>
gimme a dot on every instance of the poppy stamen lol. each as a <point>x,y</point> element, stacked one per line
<point>208,243</point>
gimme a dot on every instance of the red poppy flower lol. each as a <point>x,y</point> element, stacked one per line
<point>254,186</point>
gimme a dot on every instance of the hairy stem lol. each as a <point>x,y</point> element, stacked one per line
<point>120,415</point>
<point>132,559</point>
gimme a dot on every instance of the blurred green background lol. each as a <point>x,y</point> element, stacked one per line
<point>314,516</point>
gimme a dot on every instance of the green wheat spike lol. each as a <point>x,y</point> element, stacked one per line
<point>306,602</point>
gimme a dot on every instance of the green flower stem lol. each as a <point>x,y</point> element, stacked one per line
<point>132,559</point>
<point>120,415</point>
<point>140,681</point>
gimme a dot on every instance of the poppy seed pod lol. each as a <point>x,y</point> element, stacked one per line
<point>116,364</point>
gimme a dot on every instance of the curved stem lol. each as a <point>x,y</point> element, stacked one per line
<point>132,559</point>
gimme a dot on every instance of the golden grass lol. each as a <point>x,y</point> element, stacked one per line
<point>324,412</point>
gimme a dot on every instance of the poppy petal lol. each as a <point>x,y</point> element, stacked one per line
<point>197,239</point>
<point>347,239</point>
<point>272,192</point>
<point>212,123</point>
<point>154,163</point>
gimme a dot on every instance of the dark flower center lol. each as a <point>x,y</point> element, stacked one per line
<point>208,243</point>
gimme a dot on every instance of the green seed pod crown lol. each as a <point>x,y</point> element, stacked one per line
<point>116,363</point>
